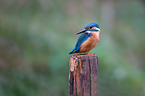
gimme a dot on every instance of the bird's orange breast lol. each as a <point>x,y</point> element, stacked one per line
<point>90,43</point>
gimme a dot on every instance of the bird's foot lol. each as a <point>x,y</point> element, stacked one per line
<point>89,54</point>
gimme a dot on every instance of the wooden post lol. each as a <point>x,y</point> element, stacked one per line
<point>83,75</point>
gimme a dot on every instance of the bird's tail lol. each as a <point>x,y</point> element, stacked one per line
<point>72,51</point>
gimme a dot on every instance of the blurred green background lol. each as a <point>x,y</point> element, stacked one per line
<point>37,35</point>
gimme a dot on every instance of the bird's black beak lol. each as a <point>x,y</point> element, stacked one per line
<point>82,31</point>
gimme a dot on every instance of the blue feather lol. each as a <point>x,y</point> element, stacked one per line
<point>92,25</point>
<point>94,30</point>
<point>81,39</point>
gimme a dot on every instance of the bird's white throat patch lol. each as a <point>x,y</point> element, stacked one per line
<point>88,31</point>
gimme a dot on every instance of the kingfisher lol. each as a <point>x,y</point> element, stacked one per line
<point>90,37</point>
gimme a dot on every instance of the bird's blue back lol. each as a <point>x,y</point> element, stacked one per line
<point>81,39</point>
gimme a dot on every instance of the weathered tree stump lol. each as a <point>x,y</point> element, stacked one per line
<point>83,75</point>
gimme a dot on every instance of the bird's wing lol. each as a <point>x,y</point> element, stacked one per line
<point>81,39</point>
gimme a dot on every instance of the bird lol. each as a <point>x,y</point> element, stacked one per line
<point>90,37</point>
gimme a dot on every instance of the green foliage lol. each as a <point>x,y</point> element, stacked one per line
<point>37,35</point>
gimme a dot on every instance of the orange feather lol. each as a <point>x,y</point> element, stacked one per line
<point>91,42</point>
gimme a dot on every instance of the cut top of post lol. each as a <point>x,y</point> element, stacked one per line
<point>74,59</point>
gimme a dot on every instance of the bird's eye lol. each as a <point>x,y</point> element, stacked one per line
<point>88,28</point>
<point>91,27</point>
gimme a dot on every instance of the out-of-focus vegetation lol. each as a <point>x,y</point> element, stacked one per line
<point>37,35</point>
